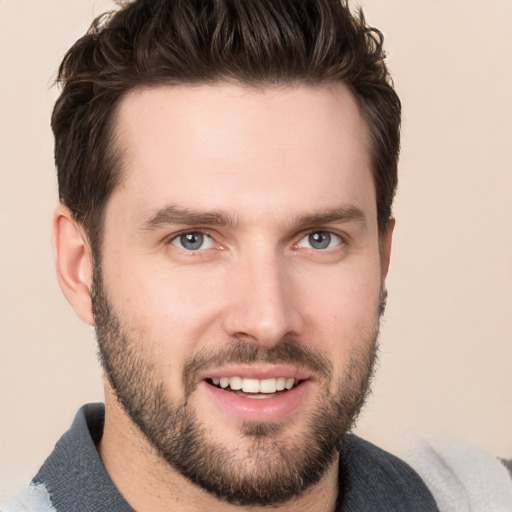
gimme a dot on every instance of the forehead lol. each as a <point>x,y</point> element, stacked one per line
<point>225,146</point>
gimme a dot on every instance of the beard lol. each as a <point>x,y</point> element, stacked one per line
<point>273,466</point>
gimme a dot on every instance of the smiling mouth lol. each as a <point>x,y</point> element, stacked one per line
<point>255,388</point>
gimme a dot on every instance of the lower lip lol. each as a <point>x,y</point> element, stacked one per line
<point>254,409</point>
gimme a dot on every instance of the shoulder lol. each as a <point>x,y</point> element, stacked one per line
<point>462,476</point>
<point>32,498</point>
<point>448,475</point>
<point>380,480</point>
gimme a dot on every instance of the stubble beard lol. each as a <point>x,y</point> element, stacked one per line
<point>273,467</point>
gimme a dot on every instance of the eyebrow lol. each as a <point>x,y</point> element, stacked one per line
<point>173,214</point>
<point>348,213</point>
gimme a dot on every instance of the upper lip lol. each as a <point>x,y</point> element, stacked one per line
<point>251,371</point>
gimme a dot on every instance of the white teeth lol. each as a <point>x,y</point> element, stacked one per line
<point>264,386</point>
<point>235,383</point>
<point>250,385</point>
<point>268,386</point>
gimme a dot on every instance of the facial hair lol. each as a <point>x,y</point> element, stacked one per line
<point>275,467</point>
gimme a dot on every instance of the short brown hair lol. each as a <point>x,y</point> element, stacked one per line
<point>256,42</point>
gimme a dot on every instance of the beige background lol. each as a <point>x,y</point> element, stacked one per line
<point>446,358</point>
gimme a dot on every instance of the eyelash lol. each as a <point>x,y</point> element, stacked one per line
<point>193,232</point>
<point>324,232</point>
<point>296,245</point>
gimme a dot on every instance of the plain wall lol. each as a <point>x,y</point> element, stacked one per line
<point>446,345</point>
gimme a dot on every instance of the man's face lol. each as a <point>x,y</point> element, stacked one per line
<point>240,284</point>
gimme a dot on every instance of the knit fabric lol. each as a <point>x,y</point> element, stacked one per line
<point>33,498</point>
<point>74,474</point>
<point>373,480</point>
<point>462,477</point>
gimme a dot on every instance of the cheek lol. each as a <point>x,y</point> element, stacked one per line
<point>152,286</point>
<point>170,312</point>
<point>341,309</point>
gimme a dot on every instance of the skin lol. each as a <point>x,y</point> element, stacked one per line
<point>265,158</point>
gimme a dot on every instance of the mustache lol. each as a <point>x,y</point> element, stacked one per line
<point>286,351</point>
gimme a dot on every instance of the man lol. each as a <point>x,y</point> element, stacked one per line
<point>226,175</point>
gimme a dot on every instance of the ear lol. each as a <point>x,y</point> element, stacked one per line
<point>385,243</point>
<point>73,262</point>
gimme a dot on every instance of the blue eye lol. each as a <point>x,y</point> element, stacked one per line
<point>193,241</point>
<point>320,240</point>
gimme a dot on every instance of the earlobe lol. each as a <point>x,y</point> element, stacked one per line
<point>73,262</point>
<point>386,242</point>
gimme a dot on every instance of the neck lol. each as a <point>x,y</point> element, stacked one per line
<point>148,483</point>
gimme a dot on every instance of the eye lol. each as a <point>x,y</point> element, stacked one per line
<point>193,241</point>
<point>320,240</point>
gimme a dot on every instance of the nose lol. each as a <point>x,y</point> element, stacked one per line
<point>261,303</point>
